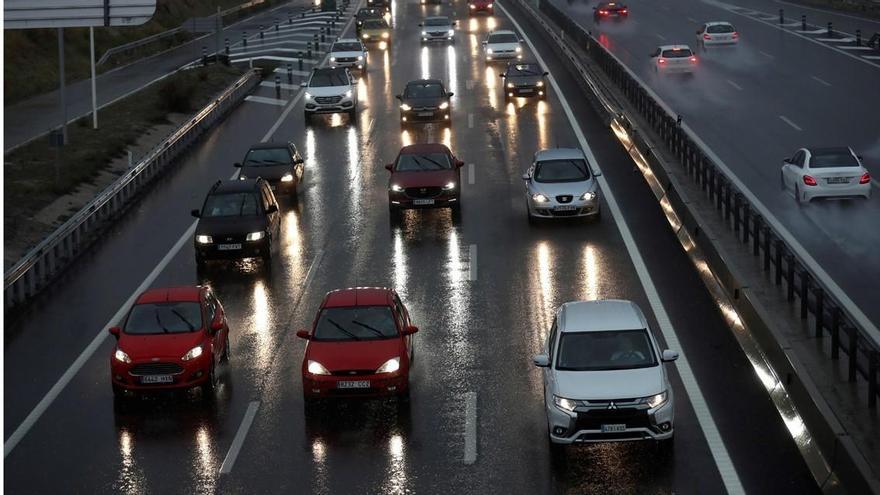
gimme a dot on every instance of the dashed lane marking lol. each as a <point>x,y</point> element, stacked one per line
<point>762,52</point>
<point>472,263</point>
<point>471,174</point>
<point>470,428</point>
<point>821,81</point>
<point>660,36</point>
<point>735,85</point>
<point>789,122</point>
<point>240,435</point>
<point>470,121</point>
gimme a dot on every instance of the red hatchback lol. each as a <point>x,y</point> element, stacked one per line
<point>361,344</point>
<point>171,339</point>
<point>424,176</point>
<point>475,6</point>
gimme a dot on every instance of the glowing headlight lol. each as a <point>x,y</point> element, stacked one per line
<point>360,57</point>
<point>424,33</point>
<point>509,85</point>
<point>472,6</point>
<point>567,405</point>
<point>489,51</point>
<point>518,49</point>
<point>287,178</point>
<point>390,366</point>
<point>193,353</point>
<point>490,6</point>
<point>366,36</point>
<point>396,188</point>
<point>348,94</point>
<point>449,186</point>
<point>405,107</point>
<point>451,32</point>
<point>242,177</point>
<point>444,105</point>
<point>317,368</point>
<point>120,355</point>
<point>333,59</point>
<point>256,236</point>
<point>540,198</point>
<point>656,400</point>
<point>204,239</point>
<point>540,84</point>
<point>588,196</point>
<point>385,36</point>
<point>307,95</point>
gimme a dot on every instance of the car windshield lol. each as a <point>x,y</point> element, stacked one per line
<point>328,77</point>
<point>356,323</point>
<point>375,24</point>
<point>604,351</point>
<point>503,38</point>
<point>720,28</point>
<point>677,53</point>
<point>423,161</point>
<point>437,21</point>
<point>524,70</point>
<point>561,171</point>
<point>833,158</point>
<point>348,46</point>
<point>267,156</point>
<point>230,205</point>
<point>166,317</point>
<point>368,12</point>
<point>423,91</point>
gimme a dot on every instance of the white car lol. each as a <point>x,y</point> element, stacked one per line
<point>502,45</point>
<point>717,33</point>
<point>560,183</point>
<point>348,52</point>
<point>604,379</point>
<point>330,90</point>
<point>438,28</point>
<point>834,172</point>
<point>674,58</point>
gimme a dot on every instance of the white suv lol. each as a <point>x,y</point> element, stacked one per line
<point>348,52</point>
<point>330,90</point>
<point>502,45</point>
<point>604,379</point>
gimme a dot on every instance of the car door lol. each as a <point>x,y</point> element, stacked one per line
<point>791,170</point>
<point>549,379</point>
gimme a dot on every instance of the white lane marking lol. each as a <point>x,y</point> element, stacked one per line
<point>735,85</point>
<point>811,31</point>
<point>660,36</point>
<point>267,101</point>
<point>471,174</point>
<point>472,263</point>
<point>871,57</point>
<point>370,126</point>
<point>856,48</point>
<point>240,435</point>
<point>470,427</point>
<point>266,57</point>
<point>836,40</point>
<point>716,445</point>
<point>821,81</point>
<point>762,52</point>
<point>799,6</point>
<point>470,121</point>
<point>789,122</point>
<point>693,20</point>
<point>286,86</point>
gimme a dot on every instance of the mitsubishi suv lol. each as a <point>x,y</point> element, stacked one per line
<point>330,90</point>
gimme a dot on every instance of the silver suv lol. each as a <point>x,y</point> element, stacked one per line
<point>330,90</point>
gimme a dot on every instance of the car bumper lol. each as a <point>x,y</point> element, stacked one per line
<point>415,118</point>
<point>495,57</point>
<point>525,92</point>
<point>444,37</point>
<point>838,191</point>
<point>552,209</point>
<point>343,106</point>
<point>370,38</point>
<point>323,386</point>
<point>474,9</point>
<point>565,428</point>
<point>673,69</point>
<point>720,42</point>
<point>248,249</point>
<point>357,65</point>
<point>192,374</point>
<point>405,202</point>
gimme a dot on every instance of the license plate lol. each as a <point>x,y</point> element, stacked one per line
<point>613,428</point>
<point>527,90</point>
<point>228,247</point>
<point>157,379</point>
<point>423,201</point>
<point>353,384</point>
<point>838,180</point>
<point>565,208</point>
<point>426,114</point>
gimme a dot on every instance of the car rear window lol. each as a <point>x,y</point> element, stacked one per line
<point>166,317</point>
<point>835,158</point>
<point>230,205</point>
<point>423,91</point>
<point>346,47</point>
<point>328,77</point>
<point>267,156</point>
<point>423,161</point>
<point>503,38</point>
<point>680,53</point>
<point>561,171</point>
<point>604,351</point>
<point>437,21</point>
<point>356,323</point>
<point>720,28</point>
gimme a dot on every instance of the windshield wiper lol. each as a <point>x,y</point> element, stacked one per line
<point>439,165</point>
<point>177,314</point>
<point>159,322</point>
<point>337,325</point>
<point>419,163</point>
<point>368,327</point>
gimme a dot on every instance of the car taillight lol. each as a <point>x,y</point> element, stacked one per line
<point>865,178</point>
<point>623,11</point>
<point>735,35</point>
<point>707,37</point>
<point>810,181</point>
<point>603,12</point>
<point>661,61</point>
<point>694,59</point>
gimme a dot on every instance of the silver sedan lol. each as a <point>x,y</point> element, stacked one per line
<point>560,184</point>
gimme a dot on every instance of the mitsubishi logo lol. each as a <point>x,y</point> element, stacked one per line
<point>612,405</point>
<point>154,360</point>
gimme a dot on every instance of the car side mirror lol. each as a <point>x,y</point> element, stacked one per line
<point>545,73</point>
<point>115,331</point>
<point>455,23</point>
<point>389,166</point>
<point>786,160</point>
<point>410,329</point>
<point>298,160</point>
<point>449,94</point>
<point>502,75</point>
<point>399,97</point>
<point>272,209</point>
<point>596,173</point>
<point>859,157</point>
<point>526,176</point>
<point>420,24</point>
<point>459,163</point>
<point>195,213</point>
<point>541,361</point>
<point>698,32</point>
<point>303,334</point>
<point>217,325</point>
<point>669,356</point>
<point>485,43</point>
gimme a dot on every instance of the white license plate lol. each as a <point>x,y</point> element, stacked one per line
<point>838,180</point>
<point>157,379</point>
<point>565,208</point>
<point>613,428</point>
<point>423,202</point>
<point>353,384</point>
<point>228,247</point>
<point>426,114</point>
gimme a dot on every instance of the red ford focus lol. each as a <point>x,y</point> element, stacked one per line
<point>172,338</point>
<point>424,176</point>
<point>361,344</point>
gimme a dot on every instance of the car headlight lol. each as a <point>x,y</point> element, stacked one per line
<point>540,198</point>
<point>307,95</point>
<point>424,33</point>
<point>540,84</point>
<point>472,6</point>
<point>490,6</point>
<point>489,51</point>
<point>317,368</point>
<point>451,32</point>
<point>204,239</point>
<point>405,107</point>
<point>333,59</point>
<point>509,85</point>
<point>360,57</point>
<point>518,49</point>
<point>566,405</point>
<point>193,353</point>
<point>120,355</point>
<point>390,366</point>
<point>444,105</point>
<point>348,94</point>
<point>287,178</point>
<point>255,236</point>
<point>242,177</point>
<point>396,188</point>
<point>366,36</point>
<point>449,186</point>
<point>656,400</point>
<point>588,196</point>
<point>385,36</point>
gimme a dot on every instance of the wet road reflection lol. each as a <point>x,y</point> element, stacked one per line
<point>130,479</point>
<point>205,468</point>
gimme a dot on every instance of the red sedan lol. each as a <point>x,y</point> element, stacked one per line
<point>475,6</point>
<point>171,339</point>
<point>361,344</point>
<point>424,176</point>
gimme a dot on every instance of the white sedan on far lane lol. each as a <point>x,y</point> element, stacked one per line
<point>834,172</point>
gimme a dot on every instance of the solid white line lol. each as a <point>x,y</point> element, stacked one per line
<point>811,31</point>
<point>472,263</point>
<point>660,36</point>
<point>271,84</point>
<point>735,85</point>
<point>765,54</point>
<point>836,40</point>
<point>821,81</point>
<point>726,469</point>
<point>871,57</point>
<point>470,121</point>
<point>471,174</point>
<point>265,100</point>
<point>240,435</point>
<point>693,20</point>
<point>789,122</point>
<point>470,427</point>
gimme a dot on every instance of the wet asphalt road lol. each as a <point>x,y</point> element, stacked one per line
<point>481,317</point>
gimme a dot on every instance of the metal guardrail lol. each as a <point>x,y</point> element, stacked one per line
<point>833,312</point>
<point>41,264</point>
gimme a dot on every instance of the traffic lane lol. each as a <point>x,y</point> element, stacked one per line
<point>733,391</point>
<point>841,21</point>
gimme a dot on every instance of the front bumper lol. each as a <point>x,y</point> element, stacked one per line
<point>481,8</point>
<point>229,251</point>
<point>403,201</point>
<point>355,65</point>
<point>525,91</point>
<point>494,57</point>
<point>345,105</point>
<point>328,386</point>
<point>374,38</point>
<point>191,373</point>
<point>555,209</point>
<point>837,191</point>
<point>438,37</point>
<point>585,427</point>
<point>426,116</point>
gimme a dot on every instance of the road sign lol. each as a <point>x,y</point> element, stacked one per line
<point>26,14</point>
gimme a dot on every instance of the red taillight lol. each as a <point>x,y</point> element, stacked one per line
<point>694,59</point>
<point>735,35</point>
<point>810,181</point>
<point>865,178</point>
<point>707,37</point>
<point>623,11</point>
<point>661,61</point>
<point>603,12</point>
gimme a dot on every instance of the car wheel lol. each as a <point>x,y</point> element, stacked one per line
<point>267,256</point>
<point>311,406</point>
<point>352,114</point>
<point>394,214</point>
<point>210,386</point>
<point>118,393</point>
<point>307,117</point>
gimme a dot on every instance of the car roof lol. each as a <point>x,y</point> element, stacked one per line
<point>358,296</point>
<point>559,154</point>
<point>502,31</point>
<point>597,316</point>
<point>424,148</point>
<point>444,17</point>
<point>347,40</point>
<point>829,150</point>
<point>674,47</point>
<point>171,294</point>
<point>269,145</point>
<point>425,81</point>
<point>233,186</point>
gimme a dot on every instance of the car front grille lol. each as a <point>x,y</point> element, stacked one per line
<point>631,417</point>
<point>422,192</point>
<point>346,59</point>
<point>228,238</point>
<point>437,33</point>
<point>353,372</point>
<point>564,198</point>
<point>144,369</point>
<point>328,100</point>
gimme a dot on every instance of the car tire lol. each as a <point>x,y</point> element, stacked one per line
<point>118,393</point>
<point>311,406</point>
<point>267,256</point>
<point>307,117</point>
<point>394,214</point>
<point>210,385</point>
<point>352,115</point>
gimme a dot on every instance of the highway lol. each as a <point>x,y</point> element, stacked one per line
<point>482,291</point>
<point>756,103</point>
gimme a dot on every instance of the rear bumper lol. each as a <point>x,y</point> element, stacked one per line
<point>673,69</point>
<point>321,386</point>
<point>848,191</point>
<point>719,42</point>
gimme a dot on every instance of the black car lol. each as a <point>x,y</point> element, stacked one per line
<point>610,10</point>
<point>278,163</point>
<point>239,219</point>
<point>425,100</point>
<point>367,13</point>
<point>524,79</point>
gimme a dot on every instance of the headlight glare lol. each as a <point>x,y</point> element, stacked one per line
<point>405,107</point>
<point>566,405</point>
<point>540,84</point>
<point>451,32</point>
<point>348,94</point>
<point>193,353</point>
<point>449,186</point>
<point>333,59</point>
<point>424,33</point>
<point>489,51</point>
<point>518,49</point>
<point>360,57</point>
<point>588,196</point>
<point>385,36</point>
<point>444,105</point>
<point>509,85</point>
<point>307,95</point>
<point>120,355</point>
<point>317,368</point>
<point>396,188</point>
<point>204,239</point>
<point>540,198</point>
<point>390,366</point>
<point>656,400</point>
<point>287,178</point>
<point>256,236</point>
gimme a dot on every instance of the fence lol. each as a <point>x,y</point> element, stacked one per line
<point>39,266</point>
